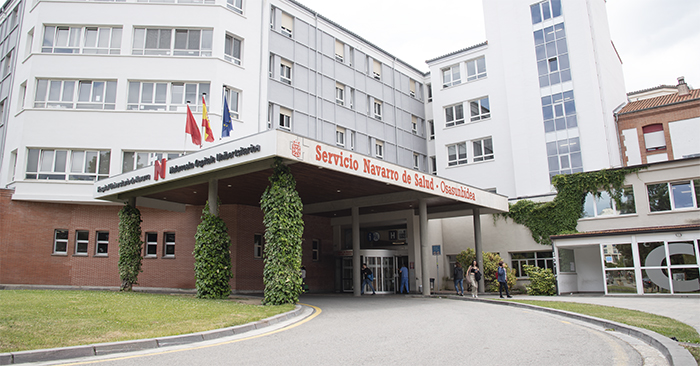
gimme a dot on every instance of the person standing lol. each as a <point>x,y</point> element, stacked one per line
<point>404,279</point>
<point>502,279</point>
<point>368,277</point>
<point>459,279</point>
<point>474,277</point>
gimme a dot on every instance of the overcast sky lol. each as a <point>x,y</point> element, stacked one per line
<point>658,40</point>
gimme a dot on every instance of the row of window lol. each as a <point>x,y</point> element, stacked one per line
<point>101,242</point>
<point>146,41</point>
<point>343,53</point>
<point>668,196</point>
<point>479,109</point>
<point>482,151</point>
<point>141,95</point>
<point>259,247</point>
<point>475,69</point>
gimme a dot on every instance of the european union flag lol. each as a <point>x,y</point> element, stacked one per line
<point>226,126</point>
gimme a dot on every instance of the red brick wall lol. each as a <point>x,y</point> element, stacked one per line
<point>27,235</point>
<point>662,115</point>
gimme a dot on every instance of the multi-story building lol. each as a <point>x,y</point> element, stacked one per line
<point>86,99</point>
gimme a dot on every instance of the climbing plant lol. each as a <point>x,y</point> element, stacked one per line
<point>284,227</point>
<point>130,245</point>
<point>560,216</point>
<point>212,257</point>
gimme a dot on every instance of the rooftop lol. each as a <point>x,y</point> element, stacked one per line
<point>661,101</point>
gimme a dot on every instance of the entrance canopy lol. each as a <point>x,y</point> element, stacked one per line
<point>330,181</point>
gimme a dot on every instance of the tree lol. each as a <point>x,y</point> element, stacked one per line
<point>212,257</point>
<point>284,225</point>
<point>130,245</point>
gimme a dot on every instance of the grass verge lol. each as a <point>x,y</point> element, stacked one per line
<point>659,324</point>
<point>37,319</point>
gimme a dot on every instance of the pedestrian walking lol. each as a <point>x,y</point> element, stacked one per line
<point>459,279</point>
<point>368,277</point>
<point>502,279</point>
<point>404,279</point>
<point>474,277</point>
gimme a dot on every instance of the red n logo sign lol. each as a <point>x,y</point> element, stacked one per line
<point>160,169</point>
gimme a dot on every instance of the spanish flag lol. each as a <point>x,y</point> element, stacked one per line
<point>208,134</point>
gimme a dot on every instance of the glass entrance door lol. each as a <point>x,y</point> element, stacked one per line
<point>383,269</point>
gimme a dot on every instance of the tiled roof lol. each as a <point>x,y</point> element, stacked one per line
<point>628,231</point>
<point>661,101</point>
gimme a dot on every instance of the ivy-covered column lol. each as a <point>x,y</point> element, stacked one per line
<point>284,227</point>
<point>130,245</point>
<point>212,257</point>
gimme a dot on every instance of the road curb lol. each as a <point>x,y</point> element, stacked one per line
<point>55,354</point>
<point>675,354</point>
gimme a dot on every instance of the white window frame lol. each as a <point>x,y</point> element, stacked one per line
<point>70,94</point>
<point>59,240</point>
<point>340,136</point>
<point>258,246</point>
<point>455,121</point>
<point>377,109</point>
<point>339,94</point>
<point>473,70</point>
<point>82,241</point>
<point>340,51</point>
<point>379,149</point>
<point>482,112</point>
<point>166,95</point>
<point>414,124</point>
<point>166,42</point>
<point>231,44</point>
<point>458,159</point>
<point>285,119</point>
<point>593,202</point>
<point>169,244</point>
<point>433,165</point>
<point>517,264</point>
<point>431,127</point>
<point>233,97</point>
<point>135,159</point>
<point>74,165</point>
<point>107,40</point>
<point>235,5</point>
<point>694,184</point>
<point>286,71</point>
<point>480,151</point>
<point>150,248</point>
<point>416,161</point>
<point>451,76</point>
<point>287,26</point>
<point>101,244</point>
<point>315,250</point>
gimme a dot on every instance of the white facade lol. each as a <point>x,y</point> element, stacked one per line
<point>295,70</point>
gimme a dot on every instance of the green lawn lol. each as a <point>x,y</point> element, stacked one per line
<point>36,319</point>
<point>659,324</point>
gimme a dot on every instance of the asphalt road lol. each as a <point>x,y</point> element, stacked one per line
<point>398,330</point>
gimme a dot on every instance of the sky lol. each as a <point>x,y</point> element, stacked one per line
<point>657,40</point>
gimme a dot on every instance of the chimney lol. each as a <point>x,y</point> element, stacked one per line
<point>682,87</point>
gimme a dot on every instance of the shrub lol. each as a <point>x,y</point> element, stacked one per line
<point>466,258</point>
<point>212,257</point>
<point>130,244</point>
<point>284,227</point>
<point>491,272</point>
<point>542,281</point>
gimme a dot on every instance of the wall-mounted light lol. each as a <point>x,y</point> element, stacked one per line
<point>678,235</point>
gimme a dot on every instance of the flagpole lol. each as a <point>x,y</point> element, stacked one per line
<point>184,145</point>
<point>204,131</point>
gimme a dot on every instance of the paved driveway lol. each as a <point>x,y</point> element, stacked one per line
<point>398,330</point>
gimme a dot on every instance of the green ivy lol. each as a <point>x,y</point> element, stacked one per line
<point>490,269</point>
<point>542,281</point>
<point>130,245</point>
<point>284,225</point>
<point>212,257</point>
<point>560,216</point>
